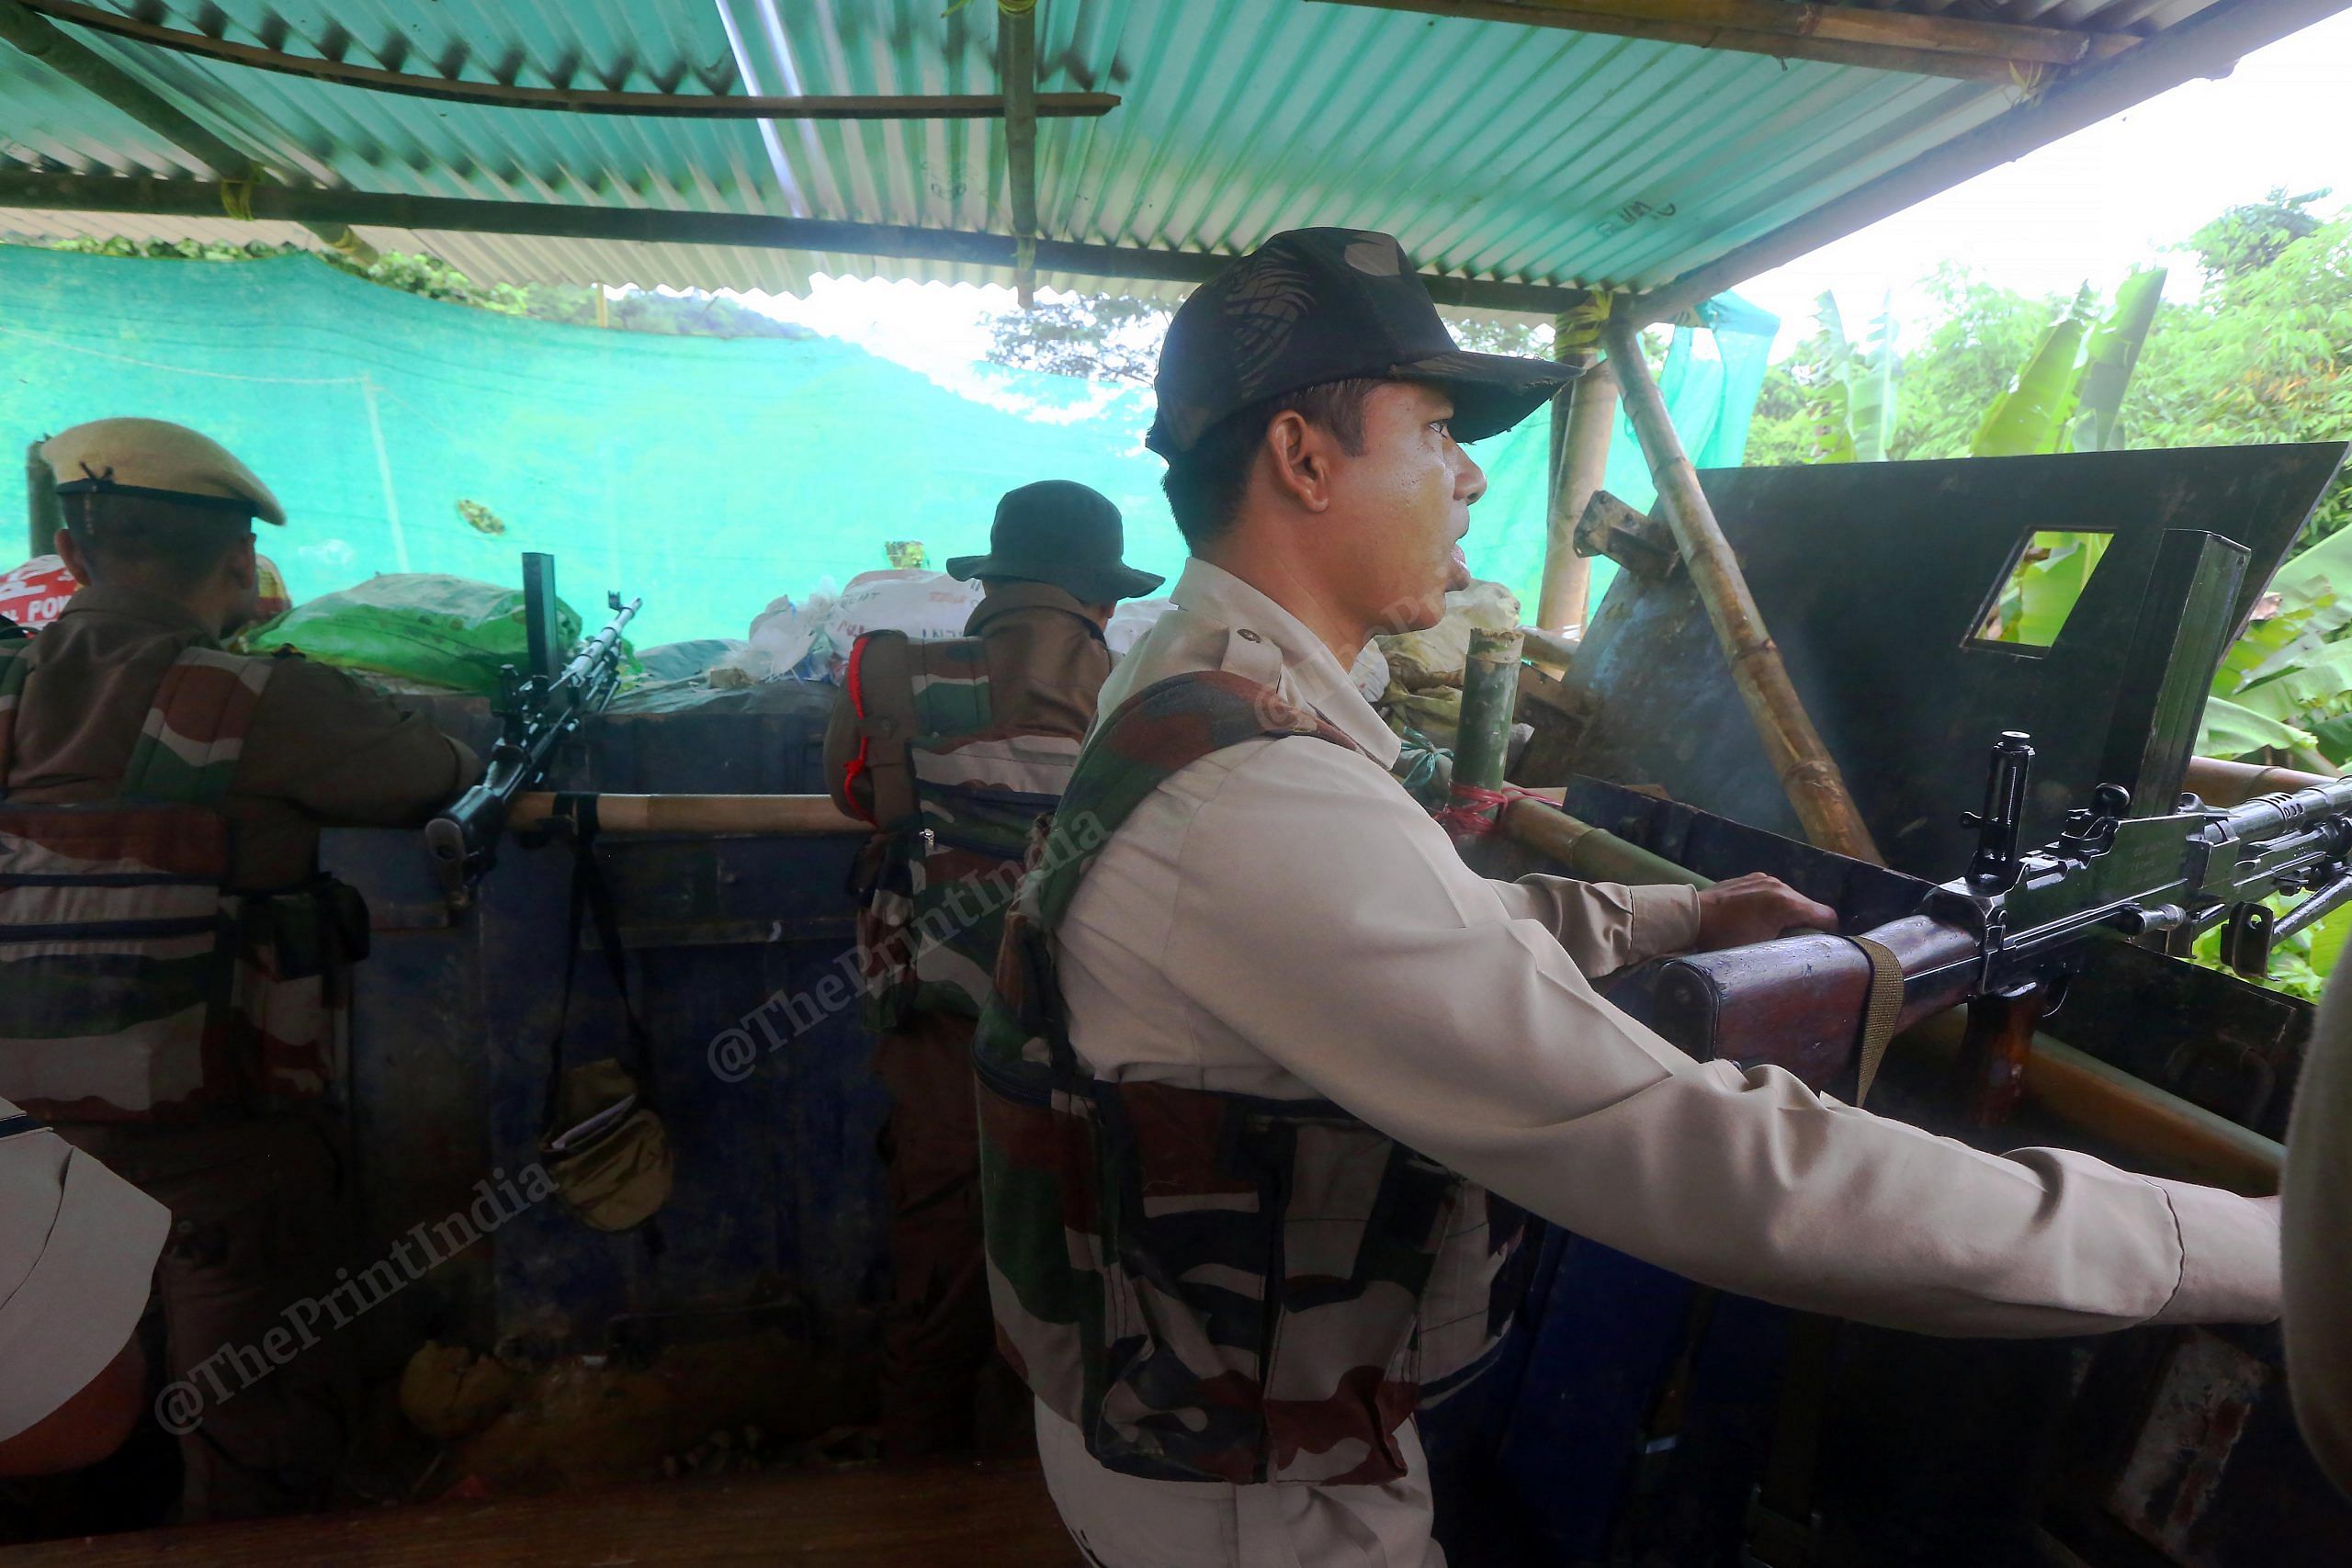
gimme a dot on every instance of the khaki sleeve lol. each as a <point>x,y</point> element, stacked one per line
<point>347,754</point>
<point>2317,1202</point>
<point>1603,926</point>
<point>1327,922</point>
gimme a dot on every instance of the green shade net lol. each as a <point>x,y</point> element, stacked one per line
<point>707,475</point>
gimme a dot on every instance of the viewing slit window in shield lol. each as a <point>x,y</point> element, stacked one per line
<point>2045,580</point>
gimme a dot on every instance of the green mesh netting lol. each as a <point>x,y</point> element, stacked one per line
<point>709,475</point>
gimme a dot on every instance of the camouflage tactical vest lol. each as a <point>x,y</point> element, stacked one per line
<point>1211,1287</point>
<point>954,795</point>
<point>133,986</point>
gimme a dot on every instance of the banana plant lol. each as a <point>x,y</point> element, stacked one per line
<point>1853,416</point>
<point>2032,416</point>
<point>2108,363</point>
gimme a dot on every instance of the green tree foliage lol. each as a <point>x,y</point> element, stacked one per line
<point>695,314</point>
<point>1114,337</point>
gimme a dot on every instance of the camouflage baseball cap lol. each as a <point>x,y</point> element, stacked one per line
<point>1316,305</point>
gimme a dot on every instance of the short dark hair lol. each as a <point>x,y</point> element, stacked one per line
<point>140,538</point>
<point>1205,484</point>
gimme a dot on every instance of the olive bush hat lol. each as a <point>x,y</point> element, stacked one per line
<point>1059,532</point>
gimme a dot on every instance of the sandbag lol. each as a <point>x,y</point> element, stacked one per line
<point>1418,661</point>
<point>421,629</point>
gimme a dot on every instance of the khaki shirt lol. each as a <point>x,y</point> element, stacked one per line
<point>1280,918</point>
<point>2318,1197</point>
<point>323,750</point>
<point>77,1248</point>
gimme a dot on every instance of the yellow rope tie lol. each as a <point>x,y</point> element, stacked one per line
<point>348,242</point>
<point>1016,7</point>
<point>237,199</point>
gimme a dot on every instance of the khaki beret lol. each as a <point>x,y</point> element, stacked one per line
<point>157,458</point>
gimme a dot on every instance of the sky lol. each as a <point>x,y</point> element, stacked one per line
<point>2084,209</point>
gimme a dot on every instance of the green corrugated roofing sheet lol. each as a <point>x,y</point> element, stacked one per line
<point>1494,150</point>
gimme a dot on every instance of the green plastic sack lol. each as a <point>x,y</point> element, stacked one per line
<point>431,630</point>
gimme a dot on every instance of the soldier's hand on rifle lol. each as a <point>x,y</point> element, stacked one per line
<point>1756,907</point>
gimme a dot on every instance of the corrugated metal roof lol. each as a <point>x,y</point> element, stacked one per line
<point>1493,149</point>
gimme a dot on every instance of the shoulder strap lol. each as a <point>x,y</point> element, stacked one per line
<point>1155,734</point>
<point>14,667</point>
<point>195,728</point>
<point>879,681</point>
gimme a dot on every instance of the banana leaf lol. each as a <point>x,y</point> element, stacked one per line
<point>2050,589</point>
<point>2323,567</point>
<point>1833,429</point>
<point>2031,416</point>
<point>2228,730</point>
<point>1871,375</point>
<point>2108,362</point>
<point>1832,408</point>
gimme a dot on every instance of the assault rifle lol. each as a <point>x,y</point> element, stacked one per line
<point>2008,935</point>
<point>541,711</point>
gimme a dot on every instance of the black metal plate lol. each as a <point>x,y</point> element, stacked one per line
<point>1872,577</point>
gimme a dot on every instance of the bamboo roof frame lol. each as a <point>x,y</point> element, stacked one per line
<point>573,100</point>
<point>1836,35</point>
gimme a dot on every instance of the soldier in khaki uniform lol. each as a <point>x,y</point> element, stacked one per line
<point>124,701</point>
<point>1271,1045</point>
<point>1023,676</point>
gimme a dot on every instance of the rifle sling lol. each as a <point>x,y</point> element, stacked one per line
<point>1885,1012</point>
<point>592,896</point>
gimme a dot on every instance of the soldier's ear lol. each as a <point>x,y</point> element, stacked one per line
<point>71,554</point>
<point>243,573</point>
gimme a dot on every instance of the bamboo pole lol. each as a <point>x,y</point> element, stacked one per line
<point>2218,782</point>
<point>102,79</point>
<point>1017,74</point>
<point>793,815</point>
<point>1593,853</point>
<point>1489,699</point>
<point>569,100</point>
<point>1549,647</point>
<point>2088,1095</point>
<point>195,198</point>
<point>1807,771</point>
<point>43,516</point>
<point>1584,417</point>
<point>1836,35</point>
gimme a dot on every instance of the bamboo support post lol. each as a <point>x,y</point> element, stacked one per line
<point>1836,35</point>
<point>772,815</point>
<point>645,225</point>
<point>1593,853</point>
<point>1017,71</point>
<point>2088,1095</point>
<point>102,79</point>
<point>1807,771</point>
<point>1489,699</point>
<point>1583,419</point>
<point>1549,647</point>
<point>43,516</point>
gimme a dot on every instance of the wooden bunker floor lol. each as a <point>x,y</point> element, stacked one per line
<point>974,1516</point>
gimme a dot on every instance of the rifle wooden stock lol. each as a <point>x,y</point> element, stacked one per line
<point>1799,1002</point>
<point>777,815</point>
